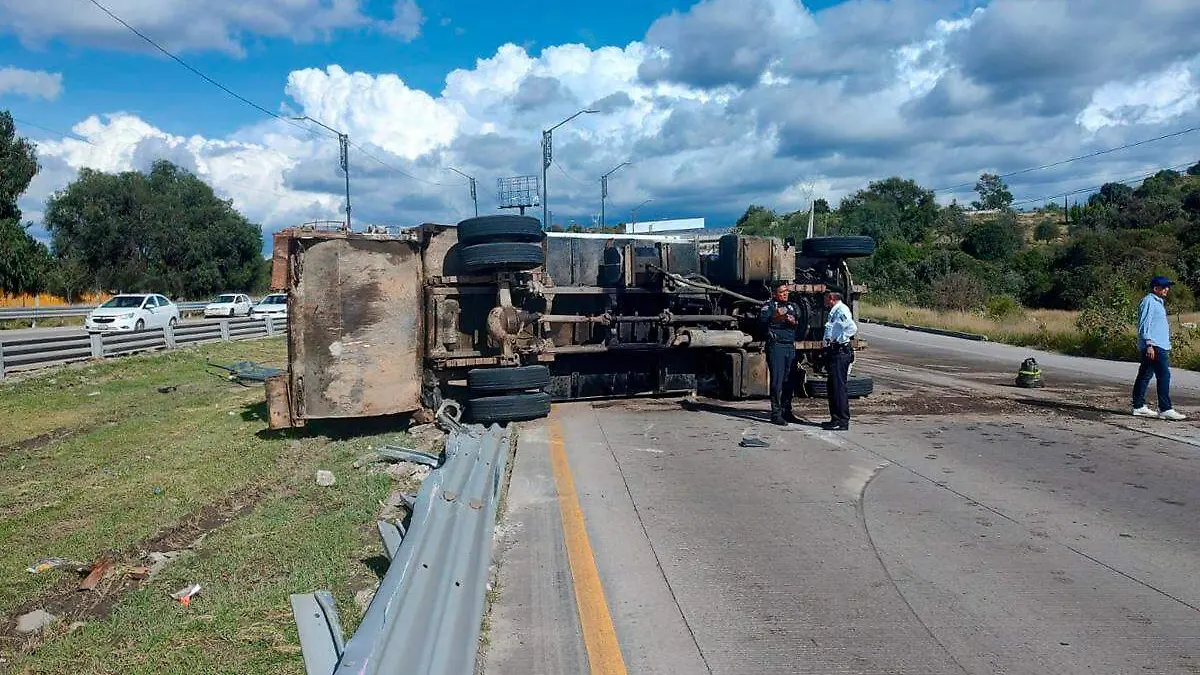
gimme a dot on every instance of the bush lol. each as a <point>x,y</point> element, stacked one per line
<point>1001,307</point>
<point>959,291</point>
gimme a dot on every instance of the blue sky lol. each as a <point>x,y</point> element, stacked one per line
<point>717,103</point>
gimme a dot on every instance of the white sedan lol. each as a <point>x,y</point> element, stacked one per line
<point>133,312</point>
<point>274,305</point>
<point>229,304</point>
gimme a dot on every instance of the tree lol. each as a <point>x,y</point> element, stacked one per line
<point>165,231</point>
<point>821,206</point>
<point>1118,195</point>
<point>993,193</point>
<point>1194,170</point>
<point>994,239</point>
<point>1047,230</point>
<point>24,261</point>
<point>893,208</point>
<point>757,220</point>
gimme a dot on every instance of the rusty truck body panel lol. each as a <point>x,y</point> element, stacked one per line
<point>383,324</point>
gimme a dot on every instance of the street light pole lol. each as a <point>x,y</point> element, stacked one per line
<point>604,189</point>
<point>633,216</point>
<point>548,157</point>
<point>344,152</point>
<point>474,196</point>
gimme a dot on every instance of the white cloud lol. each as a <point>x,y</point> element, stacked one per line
<point>406,20</point>
<point>870,89</point>
<point>1159,98</point>
<point>180,25</point>
<point>30,83</point>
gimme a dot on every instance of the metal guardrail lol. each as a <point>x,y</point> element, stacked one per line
<point>40,313</point>
<point>427,614</point>
<point>32,352</point>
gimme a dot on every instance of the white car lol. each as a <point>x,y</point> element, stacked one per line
<point>132,312</point>
<point>274,305</point>
<point>229,304</point>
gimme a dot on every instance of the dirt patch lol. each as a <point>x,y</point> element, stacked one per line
<point>70,604</point>
<point>37,442</point>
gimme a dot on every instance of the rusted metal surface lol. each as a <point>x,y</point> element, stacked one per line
<point>279,407</point>
<point>750,260</point>
<point>357,337</point>
<point>279,262</point>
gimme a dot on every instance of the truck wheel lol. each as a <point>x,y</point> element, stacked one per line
<point>502,256</point>
<point>488,380</point>
<point>857,386</point>
<point>487,229</point>
<point>838,247</point>
<point>510,408</point>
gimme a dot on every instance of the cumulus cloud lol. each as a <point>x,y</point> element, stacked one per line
<point>1159,98</point>
<point>728,103</point>
<point>180,25</point>
<point>30,83</point>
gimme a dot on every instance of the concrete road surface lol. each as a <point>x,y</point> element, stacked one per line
<point>963,525</point>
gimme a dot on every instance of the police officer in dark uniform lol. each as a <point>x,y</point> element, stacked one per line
<point>781,317</point>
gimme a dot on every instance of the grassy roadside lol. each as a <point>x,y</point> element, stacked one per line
<point>96,459</point>
<point>1048,329</point>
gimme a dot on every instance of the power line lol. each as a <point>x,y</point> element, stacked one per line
<point>1076,159</point>
<point>187,65</point>
<point>401,171</point>
<point>76,137</point>
<point>1097,187</point>
<point>564,172</point>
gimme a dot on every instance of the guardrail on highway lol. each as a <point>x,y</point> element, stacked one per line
<point>35,314</point>
<point>32,352</point>
<point>426,616</point>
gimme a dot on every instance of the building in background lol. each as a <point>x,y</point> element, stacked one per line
<point>656,226</point>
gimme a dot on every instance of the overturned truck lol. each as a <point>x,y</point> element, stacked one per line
<point>501,318</point>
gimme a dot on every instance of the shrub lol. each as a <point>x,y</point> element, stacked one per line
<point>959,291</point>
<point>1001,307</point>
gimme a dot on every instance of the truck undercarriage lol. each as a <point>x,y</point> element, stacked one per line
<point>504,318</point>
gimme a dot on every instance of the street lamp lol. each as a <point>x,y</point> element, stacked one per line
<point>474,196</point>
<point>344,145</point>
<point>547,157</point>
<point>633,215</point>
<point>604,189</point>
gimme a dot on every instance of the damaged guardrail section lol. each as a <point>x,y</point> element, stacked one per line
<point>426,615</point>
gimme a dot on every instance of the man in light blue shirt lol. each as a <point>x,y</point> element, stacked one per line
<point>1154,345</point>
<point>839,329</point>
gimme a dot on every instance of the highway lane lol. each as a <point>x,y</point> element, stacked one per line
<point>962,526</point>
<point>26,333</point>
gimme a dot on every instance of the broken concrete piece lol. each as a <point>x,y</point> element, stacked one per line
<point>363,598</point>
<point>325,478</point>
<point>35,621</point>
<point>160,560</point>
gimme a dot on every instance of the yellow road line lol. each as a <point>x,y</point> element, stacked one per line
<point>599,635</point>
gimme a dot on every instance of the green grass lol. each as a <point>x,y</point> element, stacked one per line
<point>111,470</point>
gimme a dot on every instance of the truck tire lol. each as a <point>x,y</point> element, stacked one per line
<point>522,378</point>
<point>857,386</point>
<point>838,247</point>
<point>489,229</point>
<point>510,408</point>
<point>502,256</point>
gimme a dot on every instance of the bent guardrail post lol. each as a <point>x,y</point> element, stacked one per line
<point>321,637</point>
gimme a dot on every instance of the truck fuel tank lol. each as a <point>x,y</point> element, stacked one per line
<point>743,260</point>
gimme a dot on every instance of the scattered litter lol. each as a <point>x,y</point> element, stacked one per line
<point>46,564</point>
<point>37,620</point>
<point>100,569</point>
<point>246,371</point>
<point>157,490</point>
<point>139,573</point>
<point>94,393</point>
<point>168,389</point>
<point>325,478</point>
<point>232,413</point>
<point>751,440</point>
<point>184,595</point>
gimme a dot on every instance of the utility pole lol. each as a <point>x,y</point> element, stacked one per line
<point>548,157</point>
<point>344,148</point>
<point>474,196</point>
<point>633,216</point>
<point>604,189</point>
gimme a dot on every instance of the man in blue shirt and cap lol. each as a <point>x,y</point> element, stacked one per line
<point>1154,345</point>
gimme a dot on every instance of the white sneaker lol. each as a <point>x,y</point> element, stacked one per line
<point>1144,411</point>
<point>1172,415</point>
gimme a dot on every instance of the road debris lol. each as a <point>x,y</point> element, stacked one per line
<point>47,564</point>
<point>184,595</point>
<point>325,478</point>
<point>35,621</point>
<point>246,371</point>
<point>100,569</point>
<point>159,560</point>
<point>168,389</point>
<point>751,440</point>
